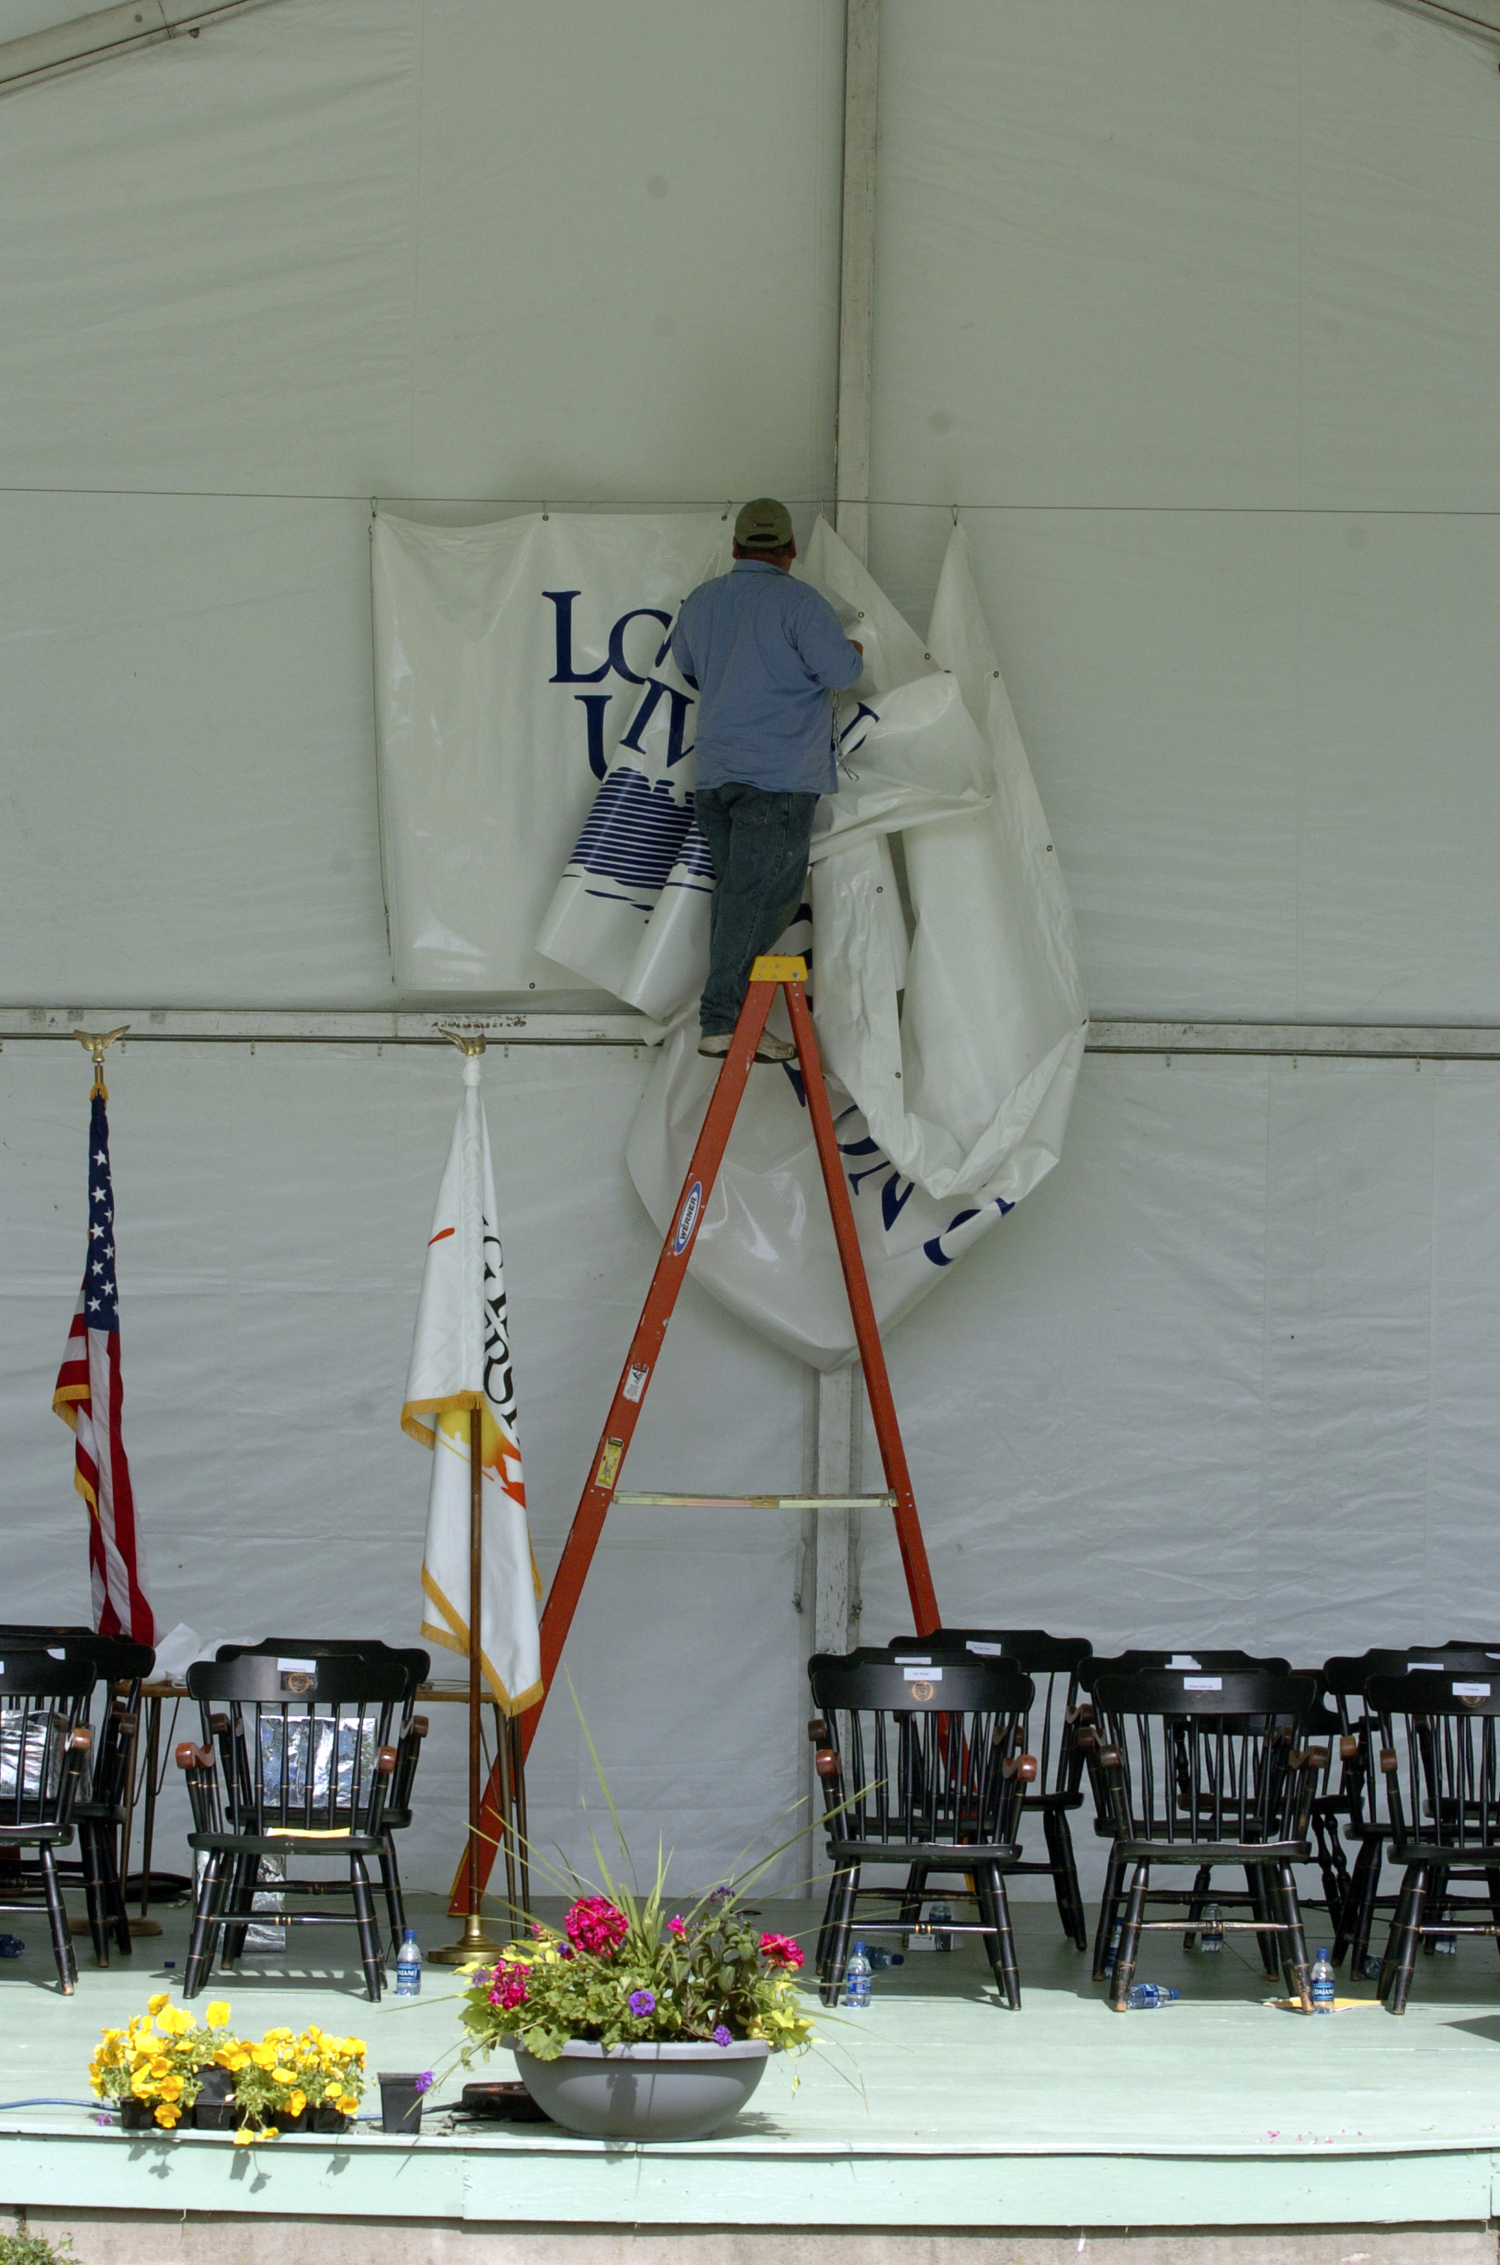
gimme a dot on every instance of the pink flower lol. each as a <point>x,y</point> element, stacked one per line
<point>508,1986</point>
<point>677,1924</point>
<point>595,1924</point>
<point>781,1950</point>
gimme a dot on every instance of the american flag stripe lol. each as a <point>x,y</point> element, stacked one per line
<point>89,1396</point>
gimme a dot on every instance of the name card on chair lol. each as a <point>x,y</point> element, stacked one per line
<point>921,1672</point>
<point>986,1651</point>
<point>1203,1683</point>
<point>1471,1690</point>
<point>298,1676</point>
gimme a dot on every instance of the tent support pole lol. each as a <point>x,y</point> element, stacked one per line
<point>857,276</point>
<point>839,1397</point>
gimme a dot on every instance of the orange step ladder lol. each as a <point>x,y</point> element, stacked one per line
<point>768,975</point>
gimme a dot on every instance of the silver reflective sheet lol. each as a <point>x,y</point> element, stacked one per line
<point>355,1743</point>
<point>31,1744</point>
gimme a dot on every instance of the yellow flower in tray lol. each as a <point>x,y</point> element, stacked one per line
<point>158,2058</point>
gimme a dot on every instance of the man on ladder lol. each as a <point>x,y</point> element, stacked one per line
<point>767,655</point>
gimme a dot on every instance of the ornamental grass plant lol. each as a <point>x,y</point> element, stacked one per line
<point>618,1974</point>
<point>625,1969</point>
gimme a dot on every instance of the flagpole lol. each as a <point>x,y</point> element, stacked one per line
<point>474,1942</point>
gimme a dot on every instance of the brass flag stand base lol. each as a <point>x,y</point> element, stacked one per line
<point>473,1943</point>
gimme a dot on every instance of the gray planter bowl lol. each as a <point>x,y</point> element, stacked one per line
<point>645,2091</point>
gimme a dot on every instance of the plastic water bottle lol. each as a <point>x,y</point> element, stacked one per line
<point>1114,1944</point>
<point>1445,1946</point>
<point>1211,1930</point>
<point>879,1958</point>
<point>409,1966</point>
<point>857,1981</point>
<point>941,1920</point>
<point>1145,1997</point>
<point>1323,1984</point>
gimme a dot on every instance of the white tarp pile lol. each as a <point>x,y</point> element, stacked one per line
<point>521,664</point>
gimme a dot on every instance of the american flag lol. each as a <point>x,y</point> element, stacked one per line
<point>88,1397</point>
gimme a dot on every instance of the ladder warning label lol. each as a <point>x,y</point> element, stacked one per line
<point>609,1462</point>
<point>635,1381</point>
<point>687,1218</point>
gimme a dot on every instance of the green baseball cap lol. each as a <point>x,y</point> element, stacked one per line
<point>764,525</point>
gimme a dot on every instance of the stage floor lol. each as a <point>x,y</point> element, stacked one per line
<point>934,2109</point>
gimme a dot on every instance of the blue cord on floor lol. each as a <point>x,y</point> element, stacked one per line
<point>95,2107</point>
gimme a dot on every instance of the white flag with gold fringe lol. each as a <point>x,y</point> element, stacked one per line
<point>460,1360</point>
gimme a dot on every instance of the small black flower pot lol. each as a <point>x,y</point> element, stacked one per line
<point>284,2120</point>
<point>214,2108</point>
<point>138,2115</point>
<point>326,2117</point>
<point>401,2105</point>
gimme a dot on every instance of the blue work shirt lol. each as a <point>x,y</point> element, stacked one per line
<point>767,655</point>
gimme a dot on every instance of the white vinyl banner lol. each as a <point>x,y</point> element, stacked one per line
<point>951,1056</point>
<point>518,665</point>
<point>528,698</point>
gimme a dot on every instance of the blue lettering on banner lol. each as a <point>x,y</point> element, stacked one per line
<point>676,724</point>
<point>566,673</point>
<point>687,1218</point>
<point>635,832</point>
<point>594,705</point>
<point>934,1249</point>
<point>617,660</point>
<point>858,717</point>
<point>893,1199</point>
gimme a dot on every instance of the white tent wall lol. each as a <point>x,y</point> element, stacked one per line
<point>1195,311</point>
<point>1191,307</point>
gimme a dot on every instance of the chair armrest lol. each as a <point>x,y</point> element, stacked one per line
<point>197,1766</point>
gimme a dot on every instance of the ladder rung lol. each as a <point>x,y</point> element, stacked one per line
<point>755,1501</point>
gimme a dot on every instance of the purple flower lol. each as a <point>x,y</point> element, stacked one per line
<point>642,2002</point>
<point>722,2036</point>
<point>424,2082</point>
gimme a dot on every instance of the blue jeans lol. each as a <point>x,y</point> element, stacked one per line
<point>758,843</point>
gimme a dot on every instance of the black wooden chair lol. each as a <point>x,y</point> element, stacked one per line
<point>103,1803</point>
<point>45,1742</point>
<point>1438,1773</point>
<point>1353,1802</point>
<point>410,1730</point>
<point>921,1767</point>
<point>294,1761</point>
<point>1053,1663</point>
<point>1208,1776</point>
<point>1086,1740</point>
